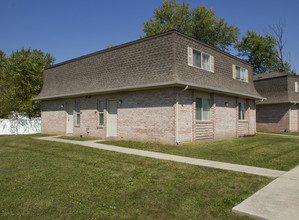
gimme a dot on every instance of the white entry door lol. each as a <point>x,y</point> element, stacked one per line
<point>70,118</point>
<point>112,118</point>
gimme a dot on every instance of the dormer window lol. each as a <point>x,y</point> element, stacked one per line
<point>240,73</point>
<point>201,60</point>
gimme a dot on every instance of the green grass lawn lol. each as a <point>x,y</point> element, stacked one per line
<point>51,180</point>
<point>78,138</point>
<point>266,151</point>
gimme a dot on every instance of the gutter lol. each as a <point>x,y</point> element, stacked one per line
<point>221,91</point>
<point>155,85</point>
<point>260,101</point>
<point>276,103</point>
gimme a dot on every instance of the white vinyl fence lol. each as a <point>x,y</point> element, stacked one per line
<point>22,125</point>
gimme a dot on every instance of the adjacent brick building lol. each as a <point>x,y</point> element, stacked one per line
<point>166,88</point>
<point>279,112</point>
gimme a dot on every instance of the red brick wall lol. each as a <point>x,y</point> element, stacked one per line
<point>53,117</point>
<point>225,117</point>
<point>147,116</point>
<point>204,130</point>
<point>89,118</point>
<point>272,117</point>
<point>185,115</point>
<point>293,118</point>
<point>142,116</point>
<point>150,115</point>
<point>252,117</point>
<point>224,121</point>
<point>248,126</point>
<point>242,128</point>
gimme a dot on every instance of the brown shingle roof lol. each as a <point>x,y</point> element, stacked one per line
<point>272,74</point>
<point>277,87</point>
<point>155,61</point>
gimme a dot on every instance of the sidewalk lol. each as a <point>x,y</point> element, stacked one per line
<point>280,135</point>
<point>189,160</point>
<point>278,200</point>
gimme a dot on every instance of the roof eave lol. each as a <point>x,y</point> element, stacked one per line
<point>272,103</point>
<point>151,86</point>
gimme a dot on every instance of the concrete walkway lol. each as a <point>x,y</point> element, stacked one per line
<point>281,135</point>
<point>278,200</point>
<point>189,160</point>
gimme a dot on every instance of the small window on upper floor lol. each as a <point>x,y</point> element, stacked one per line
<point>201,60</point>
<point>296,87</point>
<point>240,73</point>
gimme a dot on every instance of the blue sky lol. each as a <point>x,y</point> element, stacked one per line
<point>72,28</point>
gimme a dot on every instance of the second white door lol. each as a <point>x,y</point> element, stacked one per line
<point>70,118</point>
<point>112,118</point>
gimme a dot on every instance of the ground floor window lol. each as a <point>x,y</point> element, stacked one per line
<point>242,111</point>
<point>203,106</point>
<point>101,112</point>
<point>78,113</point>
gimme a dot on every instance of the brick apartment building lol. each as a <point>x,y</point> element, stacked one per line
<point>279,112</point>
<point>167,88</point>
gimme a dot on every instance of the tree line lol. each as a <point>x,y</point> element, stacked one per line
<point>21,73</point>
<point>21,79</point>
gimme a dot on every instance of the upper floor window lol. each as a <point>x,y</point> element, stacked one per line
<point>240,73</point>
<point>203,106</point>
<point>201,60</point>
<point>296,87</point>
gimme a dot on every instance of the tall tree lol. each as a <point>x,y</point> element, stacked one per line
<point>259,51</point>
<point>277,32</point>
<point>2,81</point>
<point>2,61</point>
<point>23,74</point>
<point>200,23</point>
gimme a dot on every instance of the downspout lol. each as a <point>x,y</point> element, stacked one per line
<point>260,101</point>
<point>177,140</point>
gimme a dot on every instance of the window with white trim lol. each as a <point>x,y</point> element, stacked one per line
<point>78,113</point>
<point>242,109</point>
<point>201,60</point>
<point>203,108</point>
<point>296,87</point>
<point>101,112</point>
<point>240,73</point>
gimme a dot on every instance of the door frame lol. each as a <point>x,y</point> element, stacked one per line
<point>108,117</point>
